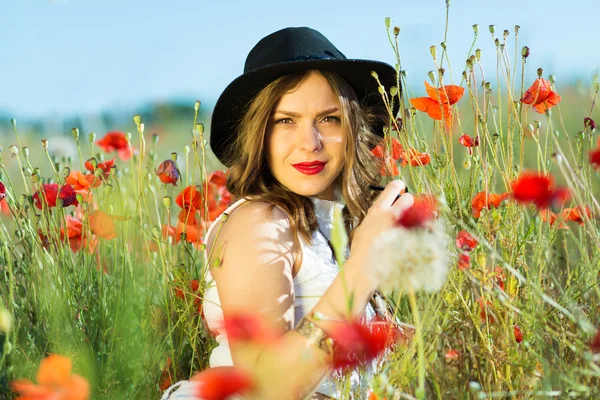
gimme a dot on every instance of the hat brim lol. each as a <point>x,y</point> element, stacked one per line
<point>234,99</point>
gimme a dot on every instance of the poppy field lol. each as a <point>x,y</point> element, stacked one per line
<point>102,254</point>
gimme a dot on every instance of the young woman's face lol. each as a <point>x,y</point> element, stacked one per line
<point>305,140</point>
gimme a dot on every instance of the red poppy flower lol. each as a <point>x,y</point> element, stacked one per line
<point>541,96</point>
<point>595,343</point>
<point>485,312</point>
<point>414,158</point>
<point>464,261</point>
<point>484,200</point>
<point>219,178</point>
<point>465,241</point>
<point>469,143</point>
<point>102,224</point>
<point>588,122</point>
<point>452,354</point>
<point>75,235</point>
<point>357,343</point>
<point>249,328</point>
<point>2,191</point>
<point>190,200</point>
<point>116,141</point>
<point>595,158</point>
<point>83,182</point>
<point>389,159</point>
<point>438,104</point>
<point>576,214</point>
<point>532,187</point>
<point>4,208</point>
<point>499,278</point>
<point>194,286</point>
<point>419,214</point>
<point>518,334</point>
<point>54,382</point>
<point>104,166</point>
<point>220,383</point>
<point>551,218</point>
<point>167,172</point>
<point>50,193</point>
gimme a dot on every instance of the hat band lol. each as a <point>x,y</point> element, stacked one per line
<point>313,57</point>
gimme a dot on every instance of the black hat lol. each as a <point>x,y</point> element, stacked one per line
<point>286,51</point>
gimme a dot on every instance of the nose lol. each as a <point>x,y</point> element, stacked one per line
<point>309,139</point>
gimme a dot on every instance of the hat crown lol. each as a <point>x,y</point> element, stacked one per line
<point>291,44</point>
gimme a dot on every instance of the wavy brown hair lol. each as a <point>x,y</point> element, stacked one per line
<point>249,175</point>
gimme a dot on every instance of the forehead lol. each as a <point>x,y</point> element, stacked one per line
<point>313,92</point>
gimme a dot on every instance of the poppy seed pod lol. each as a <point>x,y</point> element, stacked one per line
<point>137,119</point>
<point>492,29</point>
<point>197,105</point>
<point>92,137</point>
<point>476,29</point>
<point>75,133</point>
<point>200,128</point>
<point>396,30</point>
<point>388,21</point>
<point>525,52</point>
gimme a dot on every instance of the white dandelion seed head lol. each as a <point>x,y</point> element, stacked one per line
<point>411,259</point>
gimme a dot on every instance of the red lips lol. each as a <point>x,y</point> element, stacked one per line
<point>310,168</point>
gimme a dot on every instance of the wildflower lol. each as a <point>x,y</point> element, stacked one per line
<point>104,166</point>
<point>464,261</point>
<point>190,200</point>
<point>387,158</point>
<point>2,191</point>
<point>55,382</point>
<point>414,158</point>
<point>220,383</point>
<point>469,143</point>
<point>249,328</point>
<point>595,158</point>
<point>411,259</point>
<point>576,214</point>
<point>484,200</point>
<point>50,193</point>
<point>452,354</point>
<point>116,141</point>
<point>80,181</point>
<point>357,343</point>
<point>541,96</point>
<point>219,178</point>
<point>518,334</point>
<point>102,224</point>
<point>589,123</point>
<point>485,312</point>
<point>419,214</point>
<point>167,172</point>
<point>75,235</point>
<point>595,343</point>
<point>438,104</point>
<point>532,187</point>
<point>551,218</point>
<point>499,278</point>
<point>465,241</point>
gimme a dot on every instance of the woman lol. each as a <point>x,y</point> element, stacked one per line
<point>296,131</point>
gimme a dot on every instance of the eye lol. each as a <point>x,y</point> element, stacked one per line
<point>331,118</point>
<point>283,121</point>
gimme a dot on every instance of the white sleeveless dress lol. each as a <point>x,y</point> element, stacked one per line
<point>317,272</point>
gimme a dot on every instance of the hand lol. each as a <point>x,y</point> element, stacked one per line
<point>381,216</point>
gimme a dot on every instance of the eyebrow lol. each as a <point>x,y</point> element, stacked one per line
<point>294,114</point>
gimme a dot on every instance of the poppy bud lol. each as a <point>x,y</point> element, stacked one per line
<point>488,86</point>
<point>476,29</point>
<point>505,33</point>
<point>154,138</point>
<point>492,29</point>
<point>380,89</point>
<point>45,143</point>
<point>79,198</point>
<point>525,52</point>
<point>25,151</point>
<point>137,119</point>
<point>14,150</point>
<point>441,72</point>
<point>433,51</point>
<point>167,201</point>
<point>396,31</point>
<point>517,27</point>
<point>75,133</point>
<point>431,76</point>
<point>5,321</point>
<point>13,122</point>
<point>469,63</point>
<point>387,22</point>
<point>200,128</point>
<point>497,42</point>
<point>197,105</point>
<point>588,122</point>
<point>65,172</point>
<point>92,137</point>
<point>35,178</point>
<point>478,54</point>
<point>502,47</point>
<point>540,72</point>
<point>393,90</point>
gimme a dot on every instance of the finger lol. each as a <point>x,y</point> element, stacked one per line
<point>404,203</point>
<point>389,194</point>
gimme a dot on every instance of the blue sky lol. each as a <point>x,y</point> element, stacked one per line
<point>64,57</point>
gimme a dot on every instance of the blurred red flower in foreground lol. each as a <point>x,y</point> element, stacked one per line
<point>102,225</point>
<point>551,218</point>
<point>541,96</point>
<point>469,143</point>
<point>575,214</point>
<point>167,172</point>
<point>104,166</point>
<point>190,200</point>
<point>419,214</point>
<point>50,193</point>
<point>219,383</point>
<point>464,261</point>
<point>595,343</point>
<point>532,187</point>
<point>389,159</point>
<point>55,382</point>
<point>243,327</point>
<point>452,354</point>
<point>484,200</point>
<point>2,191</point>
<point>518,334</point>
<point>116,141</point>
<point>595,157</point>
<point>438,104</point>
<point>465,241</point>
<point>357,343</point>
<point>75,234</point>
